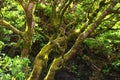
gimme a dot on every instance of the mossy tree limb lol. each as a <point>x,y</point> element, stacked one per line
<point>58,14</point>
<point>42,58</point>
<point>40,61</point>
<point>57,62</point>
<point>53,68</point>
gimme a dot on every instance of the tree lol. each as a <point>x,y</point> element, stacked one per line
<point>83,22</point>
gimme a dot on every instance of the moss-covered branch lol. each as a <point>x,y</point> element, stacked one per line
<point>91,16</point>
<point>9,26</point>
<point>58,12</point>
<point>53,68</point>
<point>58,61</point>
<point>42,58</point>
<point>88,31</point>
<point>40,61</point>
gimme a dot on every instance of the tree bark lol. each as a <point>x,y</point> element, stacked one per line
<point>29,31</point>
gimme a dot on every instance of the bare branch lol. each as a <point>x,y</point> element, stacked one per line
<point>9,26</point>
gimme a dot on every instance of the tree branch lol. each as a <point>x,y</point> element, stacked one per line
<point>64,9</point>
<point>115,11</point>
<point>113,28</point>
<point>22,3</point>
<point>54,5</point>
<point>88,31</point>
<point>42,58</point>
<point>63,4</point>
<point>9,26</point>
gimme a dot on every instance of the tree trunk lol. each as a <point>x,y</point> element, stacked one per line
<point>40,61</point>
<point>29,31</point>
<point>27,43</point>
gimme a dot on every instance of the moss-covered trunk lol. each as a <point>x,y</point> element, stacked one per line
<point>27,43</point>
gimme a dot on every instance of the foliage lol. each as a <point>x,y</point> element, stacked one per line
<point>105,46</point>
<point>99,44</point>
<point>13,68</point>
<point>13,13</point>
<point>116,64</point>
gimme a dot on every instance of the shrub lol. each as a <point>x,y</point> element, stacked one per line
<point>13,68</point>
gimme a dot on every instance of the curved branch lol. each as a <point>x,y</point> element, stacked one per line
<point>42,58</point>
<point>40,61</point>
<point>9,26</point>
